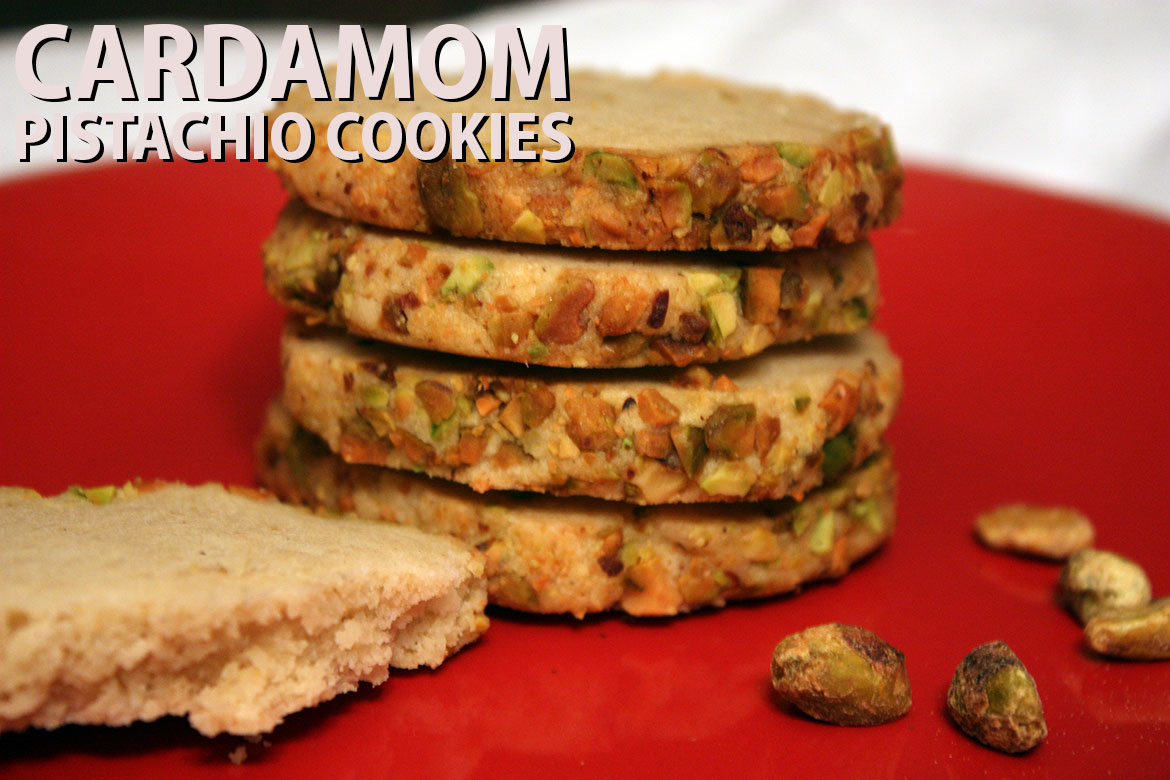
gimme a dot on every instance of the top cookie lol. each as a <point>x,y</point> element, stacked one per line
<point>667,162</point>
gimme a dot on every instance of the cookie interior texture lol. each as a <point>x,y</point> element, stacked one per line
<point>234,611</point>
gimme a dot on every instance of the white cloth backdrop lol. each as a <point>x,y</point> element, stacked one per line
<point>1072,96</point>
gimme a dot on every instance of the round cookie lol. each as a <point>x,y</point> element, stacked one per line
<point>673,161</point>
<point>581,555</point>
<point>773,425</point>
<point>558,307</point>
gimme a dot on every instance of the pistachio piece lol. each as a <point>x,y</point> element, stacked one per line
<point>712,180</point>
<point>786,202</point>
<point>436,398</point>
<point>537,350</point>
<point>376,396</point>
<point>621,313</point>
<point>448,198</point>
<point>95,495</point>
<point>658,483</point>
<point>559,320</point>
<point>508,329</point>
<point>591,423</point>
<point>1096,580</point>
<point>653,443</point>
<point>722,314</point>
<point>832,190</point>
<point>839,452</point>
<point>731,430</point>
<point>703,282</point>
<point>730,478</point>
<point>824,533</point>
<point>799,155</point>
<point>528,228</point>
<point>842,674</point>
<point>761,294</point>
<point>1047,532</point>
<point>527,409</point>
<point>611,168</point>
<point>841,402</point>
<point>449,424</point>
<point>655,410</point>
<point>767,431</point>
<point>690,446</point>
<point>1141,633</point>
<point>994,700</point>
<point>467,276</point>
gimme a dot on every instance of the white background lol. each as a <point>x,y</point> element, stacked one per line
<point>1073,96</point>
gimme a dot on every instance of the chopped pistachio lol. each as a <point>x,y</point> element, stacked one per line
<point>839,452</point>
<point>467,276</point>
<point>824,533</point>
<point>842,674</point>
<point>1141,633</point>
<point>800,403</point>
<point>447,191</point>
<point>729,279</point>
<point>730,430</point>
<point>712,181</point>
<point>799,155</point>
<point>440,430</point>
<point>722,312</point>
<point>528,227</point>
<point>95,495</point>
<point>780,237</point>
<point>537,350</point>
<point>730,478</point>
<point>657,482</point>
<point>376,396</point>
<point>800,520</point>
<point>994,700</point>
<point>832,190</point>
<point>721,578</point>
<point>812,306</point>
<point>691,446</point>
<point>1097,580</point>
<point>611,168</point>
<point>703,282</point>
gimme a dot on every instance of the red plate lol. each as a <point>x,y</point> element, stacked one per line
<point>138,341</point>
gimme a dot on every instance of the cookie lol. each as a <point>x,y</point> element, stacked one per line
<point>580,555</point>
<point>773,425</point>
<point>120,605</point>
<point>673,161</point>
<point>562,307</point>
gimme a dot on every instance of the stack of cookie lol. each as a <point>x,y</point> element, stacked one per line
<point>640,379</point>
